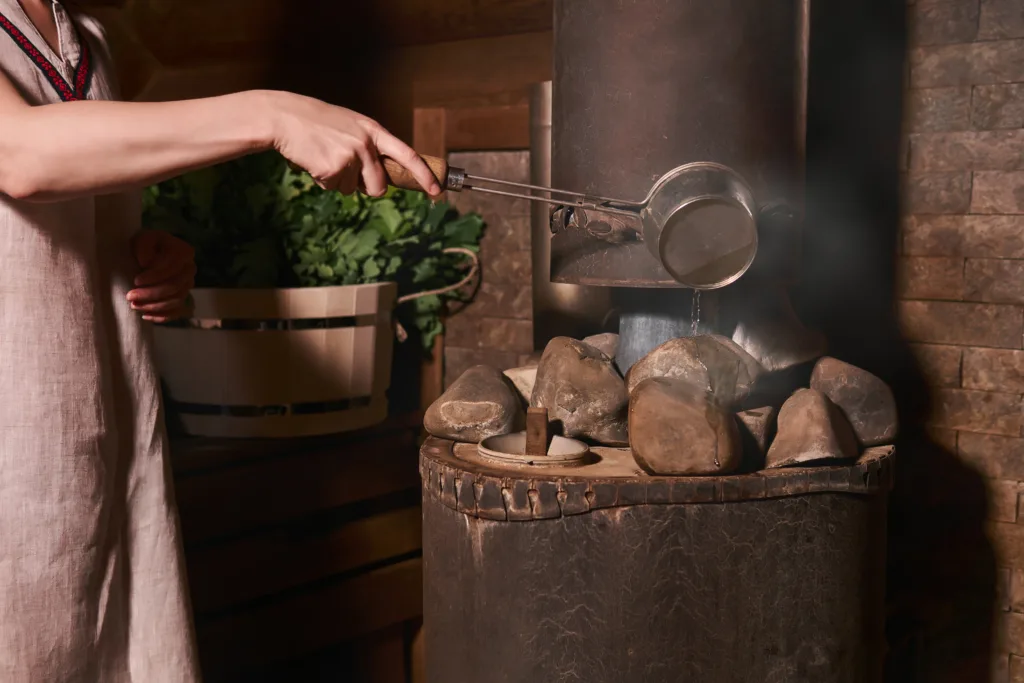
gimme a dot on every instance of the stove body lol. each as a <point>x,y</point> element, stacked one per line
<point>539,575</point>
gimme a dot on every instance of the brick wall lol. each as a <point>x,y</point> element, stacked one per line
<point>961,274</point>
<point>497,327</point>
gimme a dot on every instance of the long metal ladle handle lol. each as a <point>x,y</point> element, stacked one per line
<point>454,179</point>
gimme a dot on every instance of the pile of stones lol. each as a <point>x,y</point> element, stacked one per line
<point>684,409</point>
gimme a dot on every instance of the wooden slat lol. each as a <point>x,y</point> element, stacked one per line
<point>504,127</point>
<point>382,658</point>
<point>295,303</point>
<point>306,623</point>
<point>165,84</point>
<point>418,672</point>
<point>488,72</point>
<point>245,569</point>
<point>493,72</point>
<point>216,367</point>
<point>415,22</point>
<point>428,134</point>
<point>334,28</point>
<point>187,30</point>
<point>232,500</point>
<point>428,131</point>
<point>191,455</point>
<point>432,375</point>
<point>287,426</point>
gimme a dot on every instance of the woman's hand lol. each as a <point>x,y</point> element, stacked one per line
<point>338,147</point>
<point>162,288</point>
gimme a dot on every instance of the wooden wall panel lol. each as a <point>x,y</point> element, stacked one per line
<point>383,58</point>
<point>180,32</point>
<point>417,22</point>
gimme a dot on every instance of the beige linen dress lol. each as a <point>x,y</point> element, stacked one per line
<point>92,586</point>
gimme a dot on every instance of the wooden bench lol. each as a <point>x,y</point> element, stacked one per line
<point>304,554</point>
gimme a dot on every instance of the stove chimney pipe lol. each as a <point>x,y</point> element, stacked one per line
<point>643,86</point>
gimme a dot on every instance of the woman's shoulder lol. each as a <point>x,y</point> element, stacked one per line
<point>91,25</point>
<point>104,77</point>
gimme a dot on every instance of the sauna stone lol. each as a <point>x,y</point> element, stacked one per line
<point>757,427</point>
<point>866,401</point>
<point>482,402</point>
<point>711,363</point>
<point>811,430</point>
<point>523,380</point>
<point>607,343</point>
<point>677,429</point>
<point>533,360</point>
<point>585,395</point>
<point>776,338</point>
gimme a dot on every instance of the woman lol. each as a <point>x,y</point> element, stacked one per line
<point>92,586</point>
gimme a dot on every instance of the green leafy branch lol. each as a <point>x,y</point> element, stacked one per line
<point>257,222</point>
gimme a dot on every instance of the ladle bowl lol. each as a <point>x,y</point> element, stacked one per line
<point>699,221</point>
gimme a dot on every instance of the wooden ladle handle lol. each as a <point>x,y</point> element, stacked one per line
<point>399,177</point>
<point>537,436</point>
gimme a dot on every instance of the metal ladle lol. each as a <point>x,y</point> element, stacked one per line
<point>698,220</point>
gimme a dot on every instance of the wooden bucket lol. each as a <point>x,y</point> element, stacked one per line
<point>280,362</point>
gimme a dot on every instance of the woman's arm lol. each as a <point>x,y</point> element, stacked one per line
<point>61,151</point>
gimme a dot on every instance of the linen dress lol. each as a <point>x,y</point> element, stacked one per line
<point>92,585</point>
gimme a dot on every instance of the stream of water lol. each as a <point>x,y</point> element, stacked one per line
<point>695,313</point>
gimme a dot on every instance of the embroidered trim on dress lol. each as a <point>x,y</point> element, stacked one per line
<point>67,91</point>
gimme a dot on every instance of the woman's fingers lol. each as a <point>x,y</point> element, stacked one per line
<point>181,308</point>
<point>163,306</point>
<point>166,309</point>
<point>390,146</point>
<point>324,140</point>
<point>167,300</point>
<point>347,179</point>
<point>375,181</point>
<point>164,290</point>
<point>176,314</point>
